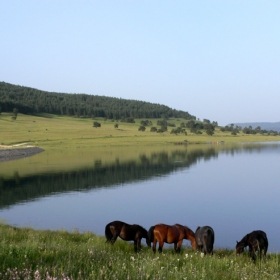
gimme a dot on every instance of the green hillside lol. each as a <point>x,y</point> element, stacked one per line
<point>33,101</point>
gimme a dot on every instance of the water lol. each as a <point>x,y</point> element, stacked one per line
<point>234,190</point>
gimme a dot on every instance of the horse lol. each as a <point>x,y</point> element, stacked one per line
<point>205,237</point>
<point>126,232</point>
<point>256,240</point>
<point>170,234</point>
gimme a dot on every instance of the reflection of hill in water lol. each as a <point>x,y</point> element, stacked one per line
<point>17,189</point>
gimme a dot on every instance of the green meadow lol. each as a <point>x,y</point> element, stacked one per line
<point>34,254</point>
<point>56,132</point>
<point>29,254</point>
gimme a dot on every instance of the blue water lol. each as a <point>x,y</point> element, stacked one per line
<point>235,193</point>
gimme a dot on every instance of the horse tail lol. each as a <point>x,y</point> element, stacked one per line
<point>150,237</point>
<point>108,233</point>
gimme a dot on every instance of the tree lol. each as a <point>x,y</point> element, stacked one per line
<point>141,128</point>
<point>210,131</point>
<point>214,123</point>
<point>15,113</point>
<point>96,124</point>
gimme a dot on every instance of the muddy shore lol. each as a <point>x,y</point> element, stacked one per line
<point>12,154</point>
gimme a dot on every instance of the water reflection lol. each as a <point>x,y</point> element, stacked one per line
<point>17,189</point>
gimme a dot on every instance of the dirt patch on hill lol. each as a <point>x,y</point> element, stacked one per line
<point>12,154</point>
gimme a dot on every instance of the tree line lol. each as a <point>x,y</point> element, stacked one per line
<point>33,101</point>
<point>247,130</point>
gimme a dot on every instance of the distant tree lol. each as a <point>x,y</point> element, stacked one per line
<point>171,124</point>
<point>146,122</point>
<point>246,130</point>
<point>96,124</point>
<point>214,123</point>
<point>128,120</point>
<point>0,110</point>
<point>15,113</point>
<point>153,129</point>
<point>190,124</point>
<point>210,131</point>
<point>178,130</point>
<point>141,128</point>
<point>193,130</point>
<point>161,130</point>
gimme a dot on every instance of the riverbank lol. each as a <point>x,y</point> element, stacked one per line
<point>8,154</point>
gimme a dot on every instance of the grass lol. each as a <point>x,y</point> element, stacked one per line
<point>56,132</point>
<point>29,254</point>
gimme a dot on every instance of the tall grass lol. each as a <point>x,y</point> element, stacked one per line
<point>29,254</point>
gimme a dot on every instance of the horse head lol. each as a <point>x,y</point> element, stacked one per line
<point>239,247</point>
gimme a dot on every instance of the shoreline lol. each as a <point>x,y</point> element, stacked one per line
<point>14,153</point>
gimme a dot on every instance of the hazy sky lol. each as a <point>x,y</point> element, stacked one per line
<point>218,60</point>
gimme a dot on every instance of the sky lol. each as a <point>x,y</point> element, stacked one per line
<point>217,60</point>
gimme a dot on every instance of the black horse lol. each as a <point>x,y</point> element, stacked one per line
<point>126,232</point>
<point>257,242</point>
<point>205,237</point>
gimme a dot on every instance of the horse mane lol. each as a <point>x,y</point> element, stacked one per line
<point>187,228</point>
<point>244,241</point>
<point>140,227</point>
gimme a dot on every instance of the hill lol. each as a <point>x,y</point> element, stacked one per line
<point>33,101</point>
<point>275,126</point>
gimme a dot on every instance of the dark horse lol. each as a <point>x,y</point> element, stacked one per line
<point>126,232</point>
<point>205,238</point>
<point>256,240</point>
<point>170,234</point>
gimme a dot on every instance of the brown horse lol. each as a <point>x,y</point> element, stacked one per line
<point>257,242</point>
<point>126,232</point>
<point>170,234</point>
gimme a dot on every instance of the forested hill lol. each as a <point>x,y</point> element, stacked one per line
<point>31,101</point>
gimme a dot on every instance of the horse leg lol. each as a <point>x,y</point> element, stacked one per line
<point>114,234</point>
<point>135,245</point>
<point>139,243</point>
<point>154,245</point>
<point>178,249</point>
<point>252,253</point>
<point>160,245</point>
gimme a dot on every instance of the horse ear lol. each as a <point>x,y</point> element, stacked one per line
<point>236,241</point>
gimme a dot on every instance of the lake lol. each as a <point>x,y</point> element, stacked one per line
<point>233,188</point>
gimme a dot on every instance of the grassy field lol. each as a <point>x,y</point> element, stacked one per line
<point>51,131</point>
<point>29,254</point>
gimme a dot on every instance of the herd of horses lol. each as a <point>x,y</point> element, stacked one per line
<point>202,239</point>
